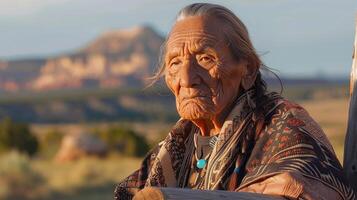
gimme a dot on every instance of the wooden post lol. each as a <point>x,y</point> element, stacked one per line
<point>350,154</point>
<point>153,193</point>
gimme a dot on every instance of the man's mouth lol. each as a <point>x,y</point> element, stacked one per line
<point>193,97</point>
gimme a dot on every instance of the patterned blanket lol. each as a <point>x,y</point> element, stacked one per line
<point>273,148</point>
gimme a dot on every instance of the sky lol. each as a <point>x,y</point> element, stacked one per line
<point>296,38</point>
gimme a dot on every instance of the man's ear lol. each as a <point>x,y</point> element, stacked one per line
<point>249,76</point>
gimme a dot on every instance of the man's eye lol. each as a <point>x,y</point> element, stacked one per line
<point>174,63</point>
<point>205,59</point>
<point>174,66</point>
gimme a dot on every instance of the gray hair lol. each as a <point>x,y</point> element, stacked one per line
<point>235,32</point>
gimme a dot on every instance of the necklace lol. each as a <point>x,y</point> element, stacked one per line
<point>202,162</point>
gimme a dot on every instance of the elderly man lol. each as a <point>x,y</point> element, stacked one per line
<point>233,135</point>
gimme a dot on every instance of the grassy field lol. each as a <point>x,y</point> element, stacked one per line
<point>93,178</point>
<point>88,178</point>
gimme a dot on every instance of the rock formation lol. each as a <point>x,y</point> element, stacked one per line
<point>78,145</point>
<point>118,58</point>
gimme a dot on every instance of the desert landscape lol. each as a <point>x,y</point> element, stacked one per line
<point>89,118</point>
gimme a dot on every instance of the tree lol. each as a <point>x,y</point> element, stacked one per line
<point>17,136</point>
<point>125,140</point>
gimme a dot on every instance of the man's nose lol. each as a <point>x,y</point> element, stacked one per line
<point>189,74</point>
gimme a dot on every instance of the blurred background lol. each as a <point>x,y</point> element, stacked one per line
<point>75,117</point>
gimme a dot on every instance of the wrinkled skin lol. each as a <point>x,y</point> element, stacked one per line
<point>202,73</point>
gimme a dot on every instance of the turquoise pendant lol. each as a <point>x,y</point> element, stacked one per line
<point>201,163</point>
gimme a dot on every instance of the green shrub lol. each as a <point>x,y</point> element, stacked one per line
<point>125,140</point>
<point>18,180</point>
<point>17,136</point>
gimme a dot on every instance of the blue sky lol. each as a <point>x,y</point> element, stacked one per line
<point>298,38</point>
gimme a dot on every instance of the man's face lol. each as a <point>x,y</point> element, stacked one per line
<point>200,69</point>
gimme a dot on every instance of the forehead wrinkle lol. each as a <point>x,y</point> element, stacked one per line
<point>199,43</point>
<point>193,46</point>
<point>185,40</point>
<point>184,37</point>
<point>204,42</point>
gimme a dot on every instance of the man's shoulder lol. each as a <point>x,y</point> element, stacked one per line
<point>292,115</point>
<point>289,107</point>
<point>291,120</point>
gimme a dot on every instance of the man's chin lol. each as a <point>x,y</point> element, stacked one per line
<point>195,113</point>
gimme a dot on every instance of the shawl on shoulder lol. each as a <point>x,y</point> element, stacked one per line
<point>272,148</point>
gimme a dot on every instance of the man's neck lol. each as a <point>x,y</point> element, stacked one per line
<point>211,127</point>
